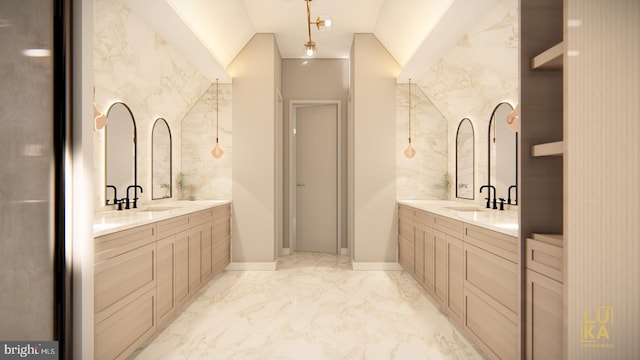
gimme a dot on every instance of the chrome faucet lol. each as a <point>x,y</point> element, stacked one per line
<point>135,195</point>
<point>488,198</point>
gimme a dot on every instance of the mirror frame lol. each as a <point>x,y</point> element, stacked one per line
<point>493,115</point>
<point>135,147</point>
<point>473,157</point>
<point>153,195</point>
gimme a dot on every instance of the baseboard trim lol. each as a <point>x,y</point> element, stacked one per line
<point>252,266</point>
<point>344,251</point>
<point>376,266</point>
<point>286,251</point>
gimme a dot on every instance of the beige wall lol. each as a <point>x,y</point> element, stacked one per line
<point>205,176</point>
<point>374,150</point>
<point>255,73</point>
<point>315,80</point>
<point>602,162</point>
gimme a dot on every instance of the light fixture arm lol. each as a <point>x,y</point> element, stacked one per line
<point>309,21</point>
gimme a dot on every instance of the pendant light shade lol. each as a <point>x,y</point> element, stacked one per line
<point>217,150</point>
<point>409,152</point>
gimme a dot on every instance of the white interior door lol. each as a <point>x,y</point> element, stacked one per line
<point>316,178</point>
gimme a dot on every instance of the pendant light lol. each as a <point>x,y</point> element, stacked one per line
<point>217,150</point>
<point>409,152</point>
<point>99,119</point>
<point>322,24</point>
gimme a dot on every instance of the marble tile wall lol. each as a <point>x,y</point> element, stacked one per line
<point>205,176</point>
<point>476,74</point>
<point>421,177</point>
<point>134,65</point>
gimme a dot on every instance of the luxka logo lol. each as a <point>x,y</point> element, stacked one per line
<point>595,329</point>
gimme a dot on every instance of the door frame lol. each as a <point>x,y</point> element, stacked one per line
<point>293,106</point>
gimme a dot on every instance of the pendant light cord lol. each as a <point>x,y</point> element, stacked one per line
<point>217,106</point>
<point>409,111</point>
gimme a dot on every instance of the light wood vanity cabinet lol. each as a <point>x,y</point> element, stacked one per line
<point>143,275</point>
<point>124,291</point>
<point>492,291</point>
<point>430,249</point>
<point>473,274</point>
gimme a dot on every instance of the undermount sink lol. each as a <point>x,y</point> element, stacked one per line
<point>464,208</point>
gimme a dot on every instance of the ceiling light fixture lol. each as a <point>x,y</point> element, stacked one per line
<point>409,152</point>
<point>323,24</point>
<point>217,150</point>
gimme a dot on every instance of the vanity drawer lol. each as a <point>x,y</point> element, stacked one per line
<point>222,211</point>
<point>121,278</point>
<point>172,226</point>
<point>494,333</point>
<point>201,217</point>
<point>449,226</point>
<point>121,334</point>
<point>545,258</point>
<point>111,245</point>
<point>425,218</point>
<point>405,211</point>
<point>500,244</point>
<point>495,278</point>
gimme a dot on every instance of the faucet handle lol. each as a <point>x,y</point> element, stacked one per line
<point>501,203</point>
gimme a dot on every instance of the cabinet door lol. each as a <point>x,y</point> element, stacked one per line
<point>440,278</point>
<point>182,267</point>
<point>206,235</point>
<point>544,317</point>
<point>406,236</point>
<point>119,335</point>
<point>455,278</point>
<point>221,238</point>
<point>418,252</point>
<point>165,286</point>
<point>195,259</point>
<point>497,335</point>
<point>429,258</point>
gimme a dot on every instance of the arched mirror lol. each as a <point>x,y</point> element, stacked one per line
<point>465,174</point>
<point>161,160</point>
<point>503,156</point>
<point>120,152</point>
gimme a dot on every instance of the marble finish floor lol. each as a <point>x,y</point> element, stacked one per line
<point>313,307</point>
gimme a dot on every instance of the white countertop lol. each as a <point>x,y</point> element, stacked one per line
<point>505,221</point>
<point>110,221</point>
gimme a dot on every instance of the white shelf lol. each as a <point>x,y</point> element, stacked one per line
<point>550,59</point>
<point>548,149</point>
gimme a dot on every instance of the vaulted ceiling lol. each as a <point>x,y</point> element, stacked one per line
<point>210,33</point>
